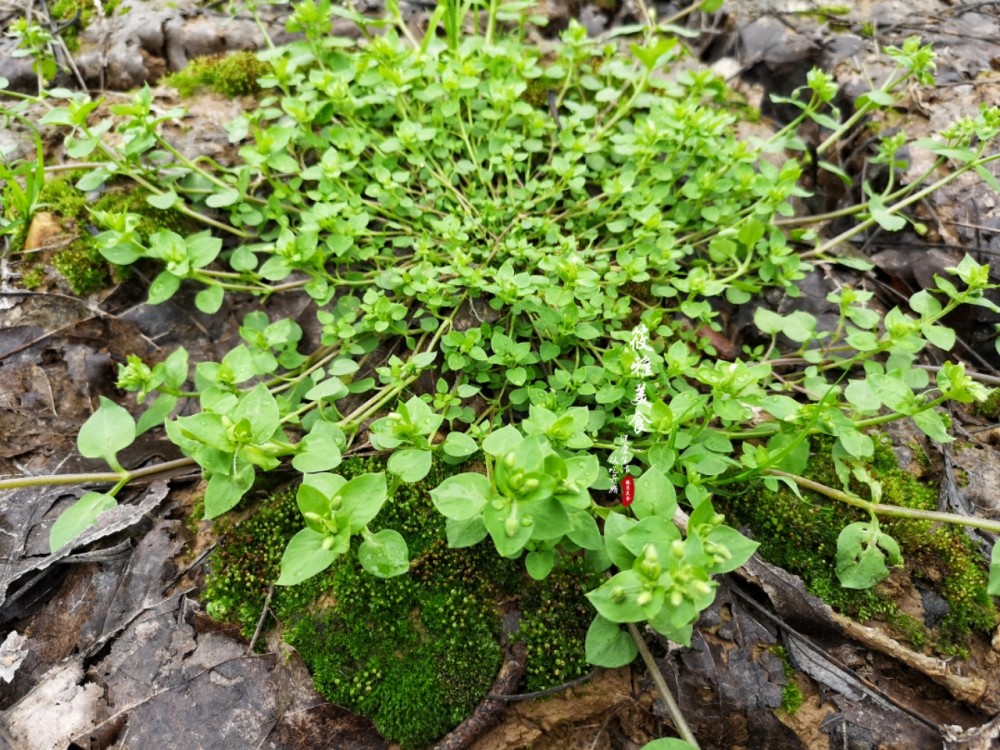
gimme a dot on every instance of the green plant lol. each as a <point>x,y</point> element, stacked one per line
<point>429,639</point>
<point>23,183</point>
<point>552,235</point>
<point>34,41</point>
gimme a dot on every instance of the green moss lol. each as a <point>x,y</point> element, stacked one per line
<point>231,75</point>
<point>151,219</point>
<point>800,535</point>
<point>81,264</point>
<point>33,278</point>
<point>791,697</point>
<point>61,198</point>
<point>990,407</point>
<point>415,653</point>
<point>83,267</point>
<point>791,694</point>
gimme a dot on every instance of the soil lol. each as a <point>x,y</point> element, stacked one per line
<point>107,645</point>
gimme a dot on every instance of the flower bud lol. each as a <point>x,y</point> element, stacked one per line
<point>702,588</point>
<point>328,542</point>
<point>644,599</point>
<point>512,525</point>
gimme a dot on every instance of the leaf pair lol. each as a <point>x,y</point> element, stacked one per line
<point>334,510</point>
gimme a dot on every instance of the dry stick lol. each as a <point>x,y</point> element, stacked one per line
<point>489,712</point>
<point>265,610</point>
<point>668,699</point>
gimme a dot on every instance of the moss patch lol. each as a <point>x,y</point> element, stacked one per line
<point>414,653</point>
<point>791,693</point>
<point>80,263</point>
<point>800,535</point>
<point>231,75</point>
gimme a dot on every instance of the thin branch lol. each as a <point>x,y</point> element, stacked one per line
<point>661,685</point>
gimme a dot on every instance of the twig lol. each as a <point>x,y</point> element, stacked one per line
<point>668,699</point>
<point>263,617</point>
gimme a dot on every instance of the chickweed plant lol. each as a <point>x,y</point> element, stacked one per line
<point>546,238</point>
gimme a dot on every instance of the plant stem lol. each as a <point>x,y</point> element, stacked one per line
<point>661,685</point>
<point>893,511</point>
<point>97,477</point>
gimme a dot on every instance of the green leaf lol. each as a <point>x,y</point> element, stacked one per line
<point>585,533</point>
<point>615,599</point>
<point>459,445</point>
<point>862,552</point>
<point>500,442</point>
<point>892,391</point>
<point>507,529</point>
<point>79,517</point>
<point>539,563</point>
<point>668,743</point>
<point>223,493</point>
<point>156,412</point>
<point>855,443</point>
<point>932,424</point>
<point>465,533</point>
<point>462,496</point>
<point>209,300</point>
<point>656,530</point>
<point>226,197</point>
<point>330,389</point>
<point>162,201</point>
<point>939,336</point>
<point>791,450</point>
<point>886,219</point>
<point>362,498</point>
<point>993,586</point>
<point>607,645</point>
<point>93,179</point>
<point>651,56</point>
<point>202,248</point>
<point>305,556</point>
<point>384,554</point>
<point>164,286</point>
<point>320,449</point>
<point>260,409</point>
<point>739,547</point>
<point>661,457</point>
<point>615,526</point>
<point>107,431</point>
<point>410,464</point>
<point>654,495</point>
<point>860,395</point>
